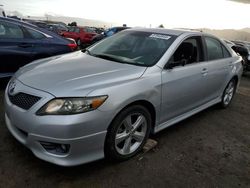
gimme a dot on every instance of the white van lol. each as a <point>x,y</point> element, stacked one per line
<point>2,13</point>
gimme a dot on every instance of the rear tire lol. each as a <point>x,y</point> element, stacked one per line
<point>128,133</point>
<point>228,94</point>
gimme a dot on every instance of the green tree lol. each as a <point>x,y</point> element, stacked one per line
<point>161,26</point>
<point>72,24</point>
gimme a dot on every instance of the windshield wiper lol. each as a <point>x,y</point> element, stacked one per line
<point>116,59</point>
<point>107,57</point>
<point>86,51</point>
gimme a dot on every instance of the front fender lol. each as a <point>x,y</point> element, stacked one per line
<point>147,88</point>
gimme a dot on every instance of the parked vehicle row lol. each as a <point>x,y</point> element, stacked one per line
<point>54,27</point>
<point>22,43</point>
<point>107,33</point>
<point>86,36</point>
<point>105,101</point>
<point>243,49</point>
<point>57,28</point>
<point>82,35</point>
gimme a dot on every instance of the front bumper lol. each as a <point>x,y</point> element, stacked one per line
<point>84,133</point>
<point>82,150</point>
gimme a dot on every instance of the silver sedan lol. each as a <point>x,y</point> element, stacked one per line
<point>105,101</point>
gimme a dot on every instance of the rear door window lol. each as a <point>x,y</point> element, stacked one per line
<point>225,52</point>
<point>35,34</point>
<point>214,49</point>
<point>89,30</point>
<point>71,29</point>
<point>77,30</point>
<point>10,31</point>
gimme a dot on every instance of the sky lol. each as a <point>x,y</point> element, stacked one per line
<point>214,14</point>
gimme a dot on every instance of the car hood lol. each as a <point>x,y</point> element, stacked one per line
<point>76,74</point>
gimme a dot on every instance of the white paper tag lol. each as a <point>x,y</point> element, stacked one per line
<point>159,36</point>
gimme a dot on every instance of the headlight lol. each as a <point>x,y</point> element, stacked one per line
<point>69,106</point>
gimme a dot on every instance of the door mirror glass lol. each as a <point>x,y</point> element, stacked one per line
<point>172,64</point>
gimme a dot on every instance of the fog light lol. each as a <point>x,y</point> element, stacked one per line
<point>64,147</point>
<point>55,148</point>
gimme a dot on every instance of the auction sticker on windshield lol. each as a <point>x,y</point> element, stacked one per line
<point>159,36</point>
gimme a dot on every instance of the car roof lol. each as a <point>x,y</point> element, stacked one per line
<point>18,21</point>
<point>121,27</point>
<point>176,32</point>
<point>54,35</point>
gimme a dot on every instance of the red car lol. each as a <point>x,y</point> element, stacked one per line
<point>82,35</point>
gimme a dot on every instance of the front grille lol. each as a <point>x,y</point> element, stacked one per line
<point>23,100</point>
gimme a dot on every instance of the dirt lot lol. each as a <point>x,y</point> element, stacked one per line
<point>210,149</point>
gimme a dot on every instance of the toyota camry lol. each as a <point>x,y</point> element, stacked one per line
<point>105,101</point>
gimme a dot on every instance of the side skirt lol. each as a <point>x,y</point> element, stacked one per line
<point>186,115</point>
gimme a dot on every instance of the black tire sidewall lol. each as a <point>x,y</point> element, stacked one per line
<point>110,150</point>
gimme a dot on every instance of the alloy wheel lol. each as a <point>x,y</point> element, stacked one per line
<point>229,92</point>
<point>130,133</point>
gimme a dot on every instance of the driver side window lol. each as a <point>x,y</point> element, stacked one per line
<point>188,52</point>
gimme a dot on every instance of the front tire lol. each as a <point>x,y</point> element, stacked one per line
<point>128,133</point>
<point>228,94</point>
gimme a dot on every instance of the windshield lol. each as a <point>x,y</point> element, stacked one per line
<point>133,47</point>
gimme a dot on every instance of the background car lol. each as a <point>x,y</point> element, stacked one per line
<point>57,28</point>
<point>243,48</point>
<point>229,43</point>
<point>98,30</point>
<point>82,35</point>
<point>21,43</point>
<point>109,32</point>
<point>39,24</point>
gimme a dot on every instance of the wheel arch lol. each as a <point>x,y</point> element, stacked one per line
<point>109,150</point>
<point>236,78</point>
<point>148,105</point>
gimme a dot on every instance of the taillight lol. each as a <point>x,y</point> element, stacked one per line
<point>72,46</point>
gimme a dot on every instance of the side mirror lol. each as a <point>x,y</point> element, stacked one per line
<point>172,64</point>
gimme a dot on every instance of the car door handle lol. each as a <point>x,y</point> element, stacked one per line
<point>204,71</point>
<point>25,45</point>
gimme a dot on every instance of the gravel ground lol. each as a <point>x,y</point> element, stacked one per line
<point>210,149</point>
